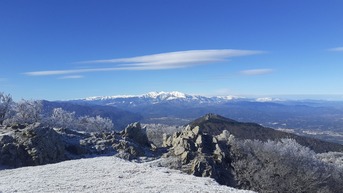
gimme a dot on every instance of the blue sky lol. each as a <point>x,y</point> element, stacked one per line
<point>66,49</point>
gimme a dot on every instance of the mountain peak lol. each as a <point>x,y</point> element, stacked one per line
<point>212,123</point>
<point>213,117</point>
<point>165,95</point>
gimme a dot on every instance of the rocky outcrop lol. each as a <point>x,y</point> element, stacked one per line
<point>29,145</point>
<point>201,154</point>
<point>32,145</point>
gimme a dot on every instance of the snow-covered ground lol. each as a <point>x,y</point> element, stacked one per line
<point>104,174</point>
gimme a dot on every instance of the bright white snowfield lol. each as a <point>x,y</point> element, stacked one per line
<point>104,174</point>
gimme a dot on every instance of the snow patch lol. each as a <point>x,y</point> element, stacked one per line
<point>105,174</point>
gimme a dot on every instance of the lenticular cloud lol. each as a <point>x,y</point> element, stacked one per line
<point>162,61</point>
<point>178,59</point>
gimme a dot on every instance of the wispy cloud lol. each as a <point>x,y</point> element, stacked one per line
<point>338,49</point>
<point>71,77</point>
<point>162,61</point>
<point>184,57</point>
<point>254,72</point>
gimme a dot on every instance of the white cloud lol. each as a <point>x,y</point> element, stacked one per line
<point>163,61</point>
<point>338,49</point>
<point>184,57</point>
<point>71,77</point>
<point>254,72</point>
<point>60,72</point>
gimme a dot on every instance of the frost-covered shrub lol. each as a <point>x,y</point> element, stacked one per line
<point>61,118</point>
<point>335,158</point>
<point>95,124</point>
<point>64,119</point>
<point>26,112</point>
<point>282,166</point>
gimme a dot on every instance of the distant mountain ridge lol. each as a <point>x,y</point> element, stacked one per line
<point>161,97</point>
<point>155,97</point>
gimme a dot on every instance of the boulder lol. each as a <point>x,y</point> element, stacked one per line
<point>128,150</point>
<point>135,132</point>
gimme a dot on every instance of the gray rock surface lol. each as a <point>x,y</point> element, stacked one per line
<point>32,145</point>
<point>135,132</point>
<point>201,154</point>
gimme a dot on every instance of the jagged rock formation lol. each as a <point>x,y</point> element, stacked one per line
<point>28,145</point>
<point>202,154</point>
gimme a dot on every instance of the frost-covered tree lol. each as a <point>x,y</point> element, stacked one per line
<point>5,104</point>
<point>335,158</point>
<point>27,112</point>
<point>62,118</point>
<point>103,123</point>
<point>95,124</point>
<point>282,166</point>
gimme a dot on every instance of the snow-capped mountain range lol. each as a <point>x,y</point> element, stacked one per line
<point>171,97</point>
<point>152,95</point>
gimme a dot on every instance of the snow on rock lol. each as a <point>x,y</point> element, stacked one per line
<point>104,174</point>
